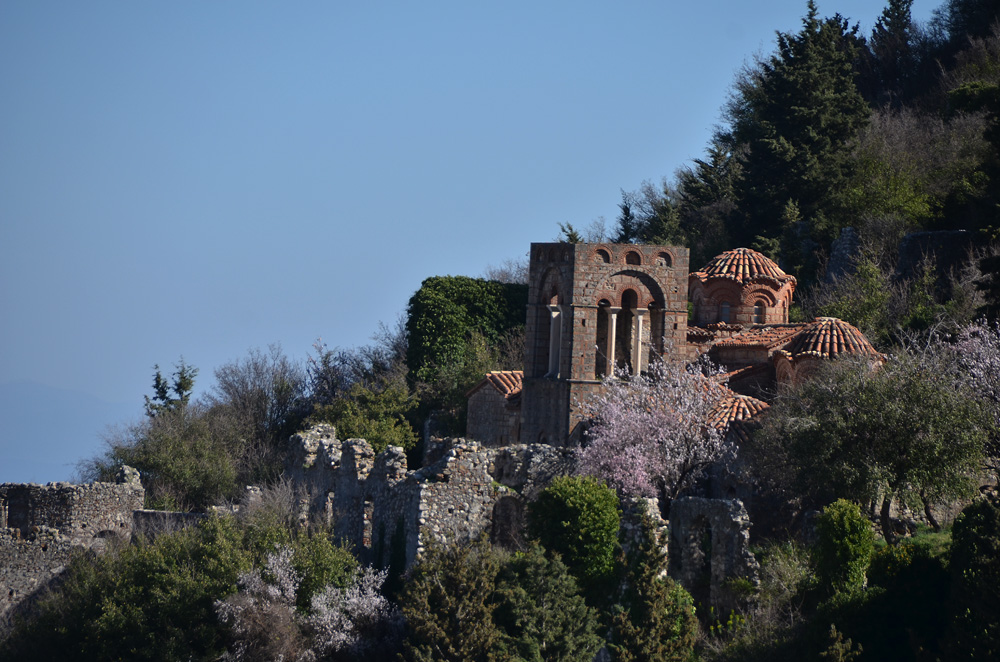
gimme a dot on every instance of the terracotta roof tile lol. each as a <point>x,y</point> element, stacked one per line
<point>829,337</point>
<point>507,382</point>
<point>743,265</point>
<point>763,336</point>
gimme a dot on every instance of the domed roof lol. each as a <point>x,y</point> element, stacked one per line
<point>743,264</point>
<point>829,337</point>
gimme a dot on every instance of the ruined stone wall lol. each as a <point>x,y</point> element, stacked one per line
<point>388,513</point>
<point>80,513</point>
<point>710,544</point>
<point>41,526</point>
<point>28,563</point>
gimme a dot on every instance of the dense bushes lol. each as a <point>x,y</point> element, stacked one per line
<point>578,518</point>
<point>843,548</point>
<point>470,602</point>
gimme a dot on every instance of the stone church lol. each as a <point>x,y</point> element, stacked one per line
<point>597,308</point>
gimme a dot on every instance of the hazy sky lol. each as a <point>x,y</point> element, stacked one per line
<point>201,178</point>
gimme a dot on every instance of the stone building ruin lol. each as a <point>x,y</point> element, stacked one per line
<point>42,526</point>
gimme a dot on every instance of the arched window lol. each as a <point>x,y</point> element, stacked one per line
<point>724,312</point>
<point>632,258</point>
<point>758,312</point>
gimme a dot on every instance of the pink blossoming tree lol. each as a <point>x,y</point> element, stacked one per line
<point>650,434</point>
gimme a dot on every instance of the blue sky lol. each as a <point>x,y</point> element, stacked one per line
<point>202,178</point>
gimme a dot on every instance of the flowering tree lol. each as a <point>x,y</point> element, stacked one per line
<point>978,362</point>
<point>650,434</point>
<point>354,622</point>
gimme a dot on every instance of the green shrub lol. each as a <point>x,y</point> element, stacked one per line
<point>541,612</point>
<point>655,621</point>
<point>149,601</point>
<point>843,548</point>
<point>578,518</point>
<point>975,570</point>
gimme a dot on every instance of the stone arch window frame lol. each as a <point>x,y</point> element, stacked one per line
<point>602,255</point>
<point>645,297</point>
<point>718,292</point>
<point>630,254</point>
<point>667,257</point>
<point>549,320</point>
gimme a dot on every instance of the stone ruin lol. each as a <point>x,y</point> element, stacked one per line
<point>388,513</point>
<point>42,526</point>
<point>710,547</point>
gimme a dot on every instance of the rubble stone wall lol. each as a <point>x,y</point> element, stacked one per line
<point>388,514</point>
<point>41,526</point>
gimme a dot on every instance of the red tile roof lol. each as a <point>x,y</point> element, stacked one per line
<point>743,265</point>
<point>829,337</point>
<point>507,382</point>
<point>735,408</point>
<point>766,337</point>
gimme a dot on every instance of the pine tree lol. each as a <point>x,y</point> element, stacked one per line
<point>627,222</point>
<point>797,116</point>
<point>657,622</point>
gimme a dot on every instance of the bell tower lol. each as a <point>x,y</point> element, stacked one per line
<point>594,309</point>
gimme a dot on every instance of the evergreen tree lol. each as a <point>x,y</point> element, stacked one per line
<point>892,51</point>
<point>170,395</point>
<point>797,116</point>
<point>706,202</point>
<point>627,222</point>
<point>541,611</point>
<point>448,603</point>
<point>656,622</point>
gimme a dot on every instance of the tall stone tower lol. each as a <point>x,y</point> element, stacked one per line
<point>592,309</point>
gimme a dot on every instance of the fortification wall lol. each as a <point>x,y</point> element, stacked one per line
<point>388,514</point>
<point>42,525</point>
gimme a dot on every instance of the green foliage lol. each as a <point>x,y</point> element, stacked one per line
<point>541,612</point>
<point>180,386</point>
<point>840,649</point>
<point>444,312</point>
<point>904,430</point>
<point>797,115</point>
<point>861,299</point>
<point>320,563</point>
<point>448,603</point>
<point>376,413</point>
<point>151,601</point>
<point>975,566</point>
<point>844,546</point>
<point>578,518</point>
<point>187,457</point>
<point>656,620</point>
<point>570,235</point>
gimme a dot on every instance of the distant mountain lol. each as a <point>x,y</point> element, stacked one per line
<point>45,431</point>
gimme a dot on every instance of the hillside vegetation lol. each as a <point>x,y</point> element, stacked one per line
<point>884,134</point>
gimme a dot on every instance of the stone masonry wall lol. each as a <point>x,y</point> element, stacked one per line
<point>491,421</point>
<point>41,526</point>
<point>388,513</point>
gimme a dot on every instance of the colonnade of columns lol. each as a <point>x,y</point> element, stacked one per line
<point>635,351</point>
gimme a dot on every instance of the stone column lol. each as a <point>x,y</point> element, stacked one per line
<point>637,340</point>
<point>612,330</point>
<point>555,340</point>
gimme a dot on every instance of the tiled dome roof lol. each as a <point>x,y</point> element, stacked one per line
<point>743,264</point>
<point>829,337</point>
<point>735,408</point>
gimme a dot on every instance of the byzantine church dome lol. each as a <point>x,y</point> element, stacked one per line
<point>740,286</point>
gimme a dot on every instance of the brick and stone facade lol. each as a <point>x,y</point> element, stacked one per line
<point>593,309</point>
